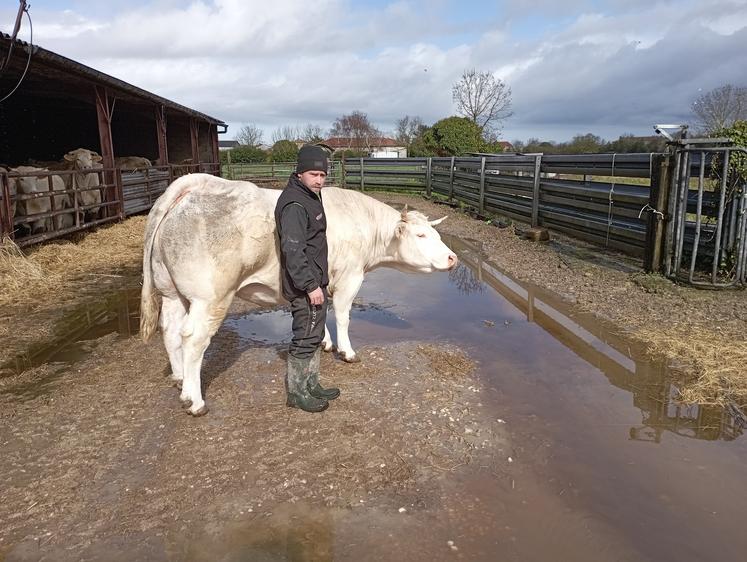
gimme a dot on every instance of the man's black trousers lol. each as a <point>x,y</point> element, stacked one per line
<point>308,326</point>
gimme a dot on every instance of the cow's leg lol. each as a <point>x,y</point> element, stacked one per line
<point>327,344</point>
<point>201,323</point>
<point>343,299</point>
<point>173,312</point>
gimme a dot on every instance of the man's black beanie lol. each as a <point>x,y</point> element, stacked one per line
<point>311,157</point>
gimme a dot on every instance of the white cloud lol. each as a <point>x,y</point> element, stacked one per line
<point>596,68</point>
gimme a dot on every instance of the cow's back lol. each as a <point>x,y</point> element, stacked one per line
<point>215,234</point>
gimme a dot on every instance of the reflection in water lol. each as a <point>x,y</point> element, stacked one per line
<point>117,312</point>
<point>655,394</point>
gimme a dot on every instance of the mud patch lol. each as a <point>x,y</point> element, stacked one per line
<point>102,450</point>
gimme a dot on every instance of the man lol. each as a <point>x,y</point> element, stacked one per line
<point>302,225</point>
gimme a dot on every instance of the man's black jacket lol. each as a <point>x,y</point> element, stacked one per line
<point>301,225</point>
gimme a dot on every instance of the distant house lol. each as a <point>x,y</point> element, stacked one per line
<point>507,146</point>
<point>376,147</point>
<point>227,144</point>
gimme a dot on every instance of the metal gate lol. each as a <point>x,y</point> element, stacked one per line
<point>706,241</point>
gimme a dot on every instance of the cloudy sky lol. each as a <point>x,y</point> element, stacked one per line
<point>574,66</point>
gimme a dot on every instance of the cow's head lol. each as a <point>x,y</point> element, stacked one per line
<point>27,184</point>
<point>419,246</point>
<point>82,158</point>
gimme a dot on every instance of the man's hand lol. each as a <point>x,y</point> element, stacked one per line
<point>316,297</point>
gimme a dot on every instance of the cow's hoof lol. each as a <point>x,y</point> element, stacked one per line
<point>177,383</point>
<point>199,412</point>
<point>186,403</point>
<point>350,358</point>
<point>329,348</point>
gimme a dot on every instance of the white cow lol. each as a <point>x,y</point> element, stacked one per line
<point>208,239</point>
<point>132,162</point>
<point>84,181</point>
<point>28,185</point>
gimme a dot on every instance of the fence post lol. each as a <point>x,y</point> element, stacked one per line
<point>482,185</point>
<point>656,223</point>
<point>536,190</point>
<point>343,179</point>
<point>451,180</point>
<point>363,182</point>
<point>6,217</point>
<point>428,178</point>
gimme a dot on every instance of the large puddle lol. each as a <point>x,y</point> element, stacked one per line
<point>608,466</point>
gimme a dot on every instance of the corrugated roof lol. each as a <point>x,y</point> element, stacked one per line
<point>52,59</point>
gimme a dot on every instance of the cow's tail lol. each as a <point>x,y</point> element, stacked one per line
<point>150,303</point>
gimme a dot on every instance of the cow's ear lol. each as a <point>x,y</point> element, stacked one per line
<point>438,221</point>
<point>70,157</point>
<point>400,229</point>
<point>96,158</point>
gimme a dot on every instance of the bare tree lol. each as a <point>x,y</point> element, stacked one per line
<point>484,99</point>
<point>286,132</point>
<point>409,129</point>
<point>312,133</point>
<point>249,135</point>
<point>357,129</point>
<point>720,108</point>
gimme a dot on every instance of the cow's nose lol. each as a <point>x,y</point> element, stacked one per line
<point>452,261</point>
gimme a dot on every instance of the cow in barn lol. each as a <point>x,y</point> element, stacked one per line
<point>132,163</point>
<point>208,239</point>
<point>32,184</point>
<point>85,179</point>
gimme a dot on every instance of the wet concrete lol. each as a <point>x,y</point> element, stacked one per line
<point>605,465</point>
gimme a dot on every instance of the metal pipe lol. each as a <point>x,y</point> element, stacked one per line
<point>701,179</point>
<point>720,220</point>
<point>681,212</point>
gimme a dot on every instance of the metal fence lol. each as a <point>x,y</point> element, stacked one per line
<point>52,205</point>
<point>647,204</point>
<point>556,191</point>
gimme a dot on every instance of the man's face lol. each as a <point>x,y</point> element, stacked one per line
<point>313,179</point>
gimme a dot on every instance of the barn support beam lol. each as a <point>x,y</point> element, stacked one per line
<point>214,146</point>
<point>104,112</point>
<point>163,147</point>
<point>194,129</point>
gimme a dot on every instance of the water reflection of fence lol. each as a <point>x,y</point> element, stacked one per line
<point>118,312</point>
<point>654,392</point>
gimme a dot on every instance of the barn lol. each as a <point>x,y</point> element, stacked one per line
<point>55,105</point>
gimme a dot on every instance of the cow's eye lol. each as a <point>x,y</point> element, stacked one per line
<point>421,235</point>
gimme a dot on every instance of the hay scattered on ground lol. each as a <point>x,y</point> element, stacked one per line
<point>52,272</point>
<point>713,363</point>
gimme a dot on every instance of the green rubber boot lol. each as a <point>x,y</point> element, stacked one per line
<point>315,389</point>
<point>296,381</point>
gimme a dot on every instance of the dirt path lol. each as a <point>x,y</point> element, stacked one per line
<point>104,458</point>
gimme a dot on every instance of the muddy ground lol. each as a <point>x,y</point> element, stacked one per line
<point>103,456</point>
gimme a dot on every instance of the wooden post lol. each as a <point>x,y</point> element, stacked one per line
<point>482,185</point>
<point>656,221</point>
<point>214,146</point>
<point>6,217</point>
<point>363,181</point>
<point>194,130</point>
<point>343,179</point>
<point>428,171</point>
<point>451,180</point>
<point>163,151</point>
<point>536,190</point>
<point>104,116</point>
